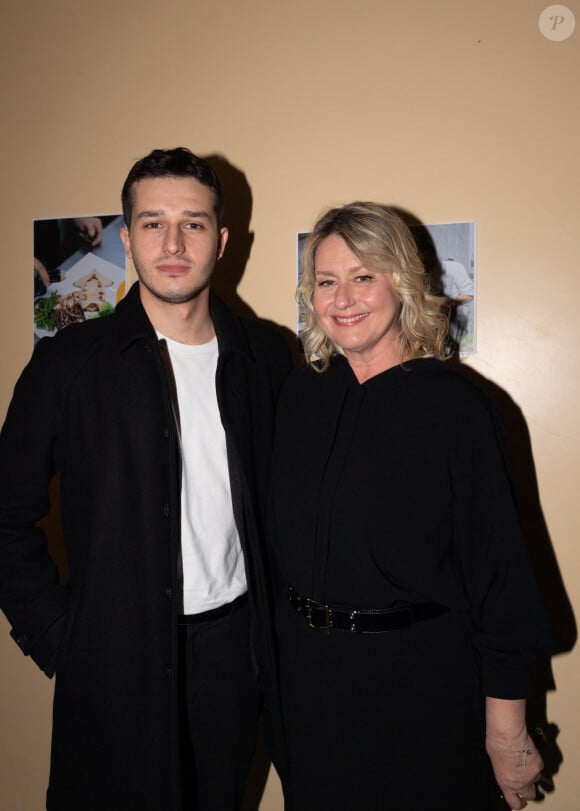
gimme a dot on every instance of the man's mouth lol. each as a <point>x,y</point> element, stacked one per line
<point>172,267</point>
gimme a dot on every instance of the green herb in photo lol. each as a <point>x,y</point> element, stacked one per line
<point>45,313</point>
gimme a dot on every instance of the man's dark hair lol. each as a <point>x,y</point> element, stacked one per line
<point>178,162</point>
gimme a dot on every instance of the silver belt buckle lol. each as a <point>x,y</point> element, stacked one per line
<point>327,627</point>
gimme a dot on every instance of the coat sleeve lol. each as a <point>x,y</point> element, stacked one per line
<point>511,629</point>
<point>34,602</point>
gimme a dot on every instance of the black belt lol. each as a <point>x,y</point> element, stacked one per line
<point>213,613</point>
<point>374,620</point>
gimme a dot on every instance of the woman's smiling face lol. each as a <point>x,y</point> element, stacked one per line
<point>358,308</point>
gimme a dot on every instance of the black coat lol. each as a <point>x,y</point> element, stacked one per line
<point>397,491</point>
<point>94,405</point>
<point>403,496</point>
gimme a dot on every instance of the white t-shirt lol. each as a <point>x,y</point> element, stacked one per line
<point>213,564</point>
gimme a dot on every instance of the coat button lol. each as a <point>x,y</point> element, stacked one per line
<point>169,592</point>
<point>166,510</point>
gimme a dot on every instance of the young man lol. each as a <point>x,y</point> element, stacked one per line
<point>159,421</point>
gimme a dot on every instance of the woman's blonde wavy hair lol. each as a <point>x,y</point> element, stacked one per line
<point>382,242</point>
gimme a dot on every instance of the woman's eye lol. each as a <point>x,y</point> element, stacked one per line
<point>324,283</point>
<point>364,278</point>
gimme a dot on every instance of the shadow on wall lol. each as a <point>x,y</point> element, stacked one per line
<point>237,217</point>
<point>534,530</point>
<point>428,253</point>
<point>548,576</point>
<point>229,271</point>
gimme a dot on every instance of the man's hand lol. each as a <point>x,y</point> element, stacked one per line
<point>90,230</point>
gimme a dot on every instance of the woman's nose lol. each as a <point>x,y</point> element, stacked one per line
<point>343,297</point>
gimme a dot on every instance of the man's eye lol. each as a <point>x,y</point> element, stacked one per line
<point>194,226</point>
<point>151,225</point>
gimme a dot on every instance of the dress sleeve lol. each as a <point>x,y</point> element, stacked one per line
<point>34,602</point>
<point>511,629</point>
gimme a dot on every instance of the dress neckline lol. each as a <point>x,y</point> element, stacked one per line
<point>400,370</point>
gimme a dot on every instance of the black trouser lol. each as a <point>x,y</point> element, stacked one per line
<point>219,709</point>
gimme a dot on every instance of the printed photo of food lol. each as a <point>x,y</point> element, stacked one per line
<point>79,270</point>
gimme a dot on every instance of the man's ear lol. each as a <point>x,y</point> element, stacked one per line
<point>222,242</point>
<point>125,239</point>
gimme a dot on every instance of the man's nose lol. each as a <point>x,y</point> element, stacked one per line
<point>173,242</point>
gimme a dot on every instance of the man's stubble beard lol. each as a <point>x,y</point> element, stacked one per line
<point>177,297</point>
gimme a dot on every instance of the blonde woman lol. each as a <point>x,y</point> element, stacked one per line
<point>409,614</point>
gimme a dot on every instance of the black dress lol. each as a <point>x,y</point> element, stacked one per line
<point>397,490</point>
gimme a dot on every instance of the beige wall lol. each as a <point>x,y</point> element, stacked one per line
<point>452,110</point>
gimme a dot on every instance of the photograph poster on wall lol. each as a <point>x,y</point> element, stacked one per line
<point>448,251</point>
<point>80,270</point>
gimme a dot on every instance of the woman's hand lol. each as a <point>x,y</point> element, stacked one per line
<point>517,768</point>
<point>516,763</point>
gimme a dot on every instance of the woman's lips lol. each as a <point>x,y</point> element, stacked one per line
<point>349,320</point>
